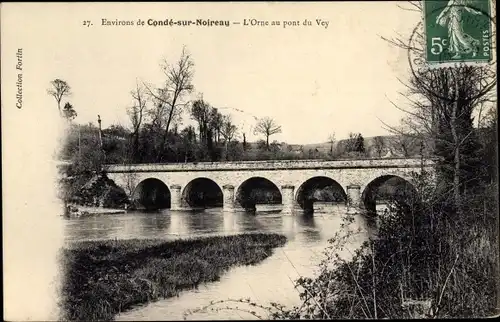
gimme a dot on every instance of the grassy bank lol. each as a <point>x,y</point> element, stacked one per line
<point>103,278</point>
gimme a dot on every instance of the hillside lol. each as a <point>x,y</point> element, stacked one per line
<point>391,146</point>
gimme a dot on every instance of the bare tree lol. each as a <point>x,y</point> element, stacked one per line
<point>228,131</point>
<point>59,89</point>
<point>170,97</point>
<point>159,112</point>
<point>267,126</point>
<point>404,144</point>
<point>379,145</point>
<point>136,113</point>
<point>130,179</point>
<point>442,102</point>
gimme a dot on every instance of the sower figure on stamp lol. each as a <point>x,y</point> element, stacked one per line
<point>452,17</point>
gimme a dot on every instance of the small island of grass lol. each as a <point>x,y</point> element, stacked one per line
<point>104,278</point>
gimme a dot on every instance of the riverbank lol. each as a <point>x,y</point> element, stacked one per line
<point>76,211</point>
<point>103,278</point>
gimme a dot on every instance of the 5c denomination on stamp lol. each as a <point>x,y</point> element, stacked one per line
<point>457,31</point>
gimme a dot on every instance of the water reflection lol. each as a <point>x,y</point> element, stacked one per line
<point>205,221</point>
<point>231,222</point>
<point>310,232</point>
<point>179,223</point>
<point>90,228</point>
<point>157,224</point>
<point>300,228</point>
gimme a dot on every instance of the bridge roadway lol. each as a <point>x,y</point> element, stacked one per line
<point>352,178</point>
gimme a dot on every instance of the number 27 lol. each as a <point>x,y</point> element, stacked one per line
<point>86,23</point>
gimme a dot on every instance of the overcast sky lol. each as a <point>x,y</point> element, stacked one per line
<point>311,80</point>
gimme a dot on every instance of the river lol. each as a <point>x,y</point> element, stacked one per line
<point>271,280</point>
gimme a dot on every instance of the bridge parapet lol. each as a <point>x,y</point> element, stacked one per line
<point>271,165</point>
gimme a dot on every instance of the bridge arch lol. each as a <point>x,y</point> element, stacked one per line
<point>319,188</point>
<point>387,187</point>
<point>151,194</point>
<point>257,190</point>
<point>202,192</point>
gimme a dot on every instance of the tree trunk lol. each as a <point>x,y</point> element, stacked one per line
<point>135,147</point>
<point>267,142</point>
<point>79,141</point>
<point>165,134</point>
<point>456,157</point>
<point>163,141</point>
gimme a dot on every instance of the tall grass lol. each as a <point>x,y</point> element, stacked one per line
<point>103,278</point>
<point>429,259</point>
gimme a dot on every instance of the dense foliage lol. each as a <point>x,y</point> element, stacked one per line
<point>425,262</point>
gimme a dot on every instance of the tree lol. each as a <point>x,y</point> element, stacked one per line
<point>244,142</point>
<point>211,127</point>
<point>235,150</point>
<point>91,159</point>
<point>350,143</point>
<point>215,125</point>
<point>202,113</point>
<point>331,140</point>
<point>69,112</point>
<point>188,142</point>
<point>267,126</point>
<point>136,113</point>
<point>442,104</point>
<point>130,178</point>
<point>170,97</point>
<point>261,145</point>
<point>60,89</point>
<point>228,131</point>
<point>217,122</point>
<point>404,143</point>
<point>379,145</point>
<point>360,144</point>
<point>355,143</point>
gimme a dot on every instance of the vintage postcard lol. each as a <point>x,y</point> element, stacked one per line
<point>238,160</point>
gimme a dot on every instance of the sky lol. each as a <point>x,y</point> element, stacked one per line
<point>311,80</point>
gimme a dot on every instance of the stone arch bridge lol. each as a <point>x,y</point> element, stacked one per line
<point>291,184</point>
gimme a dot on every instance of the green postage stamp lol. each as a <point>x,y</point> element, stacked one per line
<point>457,31</point>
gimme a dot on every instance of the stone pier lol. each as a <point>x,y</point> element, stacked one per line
<point>353,199</point>
<point>228,195</point>
<point>287,198</point>
<point>175,197</point>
